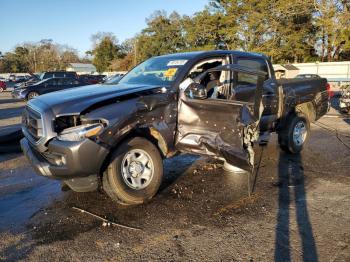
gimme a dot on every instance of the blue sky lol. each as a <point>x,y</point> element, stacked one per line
<point>72,22</point>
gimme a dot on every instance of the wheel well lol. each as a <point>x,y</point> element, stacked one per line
<point>149,133</point>
<point>29,93</point>
<point>308,109</point>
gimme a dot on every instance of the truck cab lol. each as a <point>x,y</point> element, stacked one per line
<point>218,104</point>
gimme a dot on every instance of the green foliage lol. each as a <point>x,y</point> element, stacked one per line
<point>105,52</point>
<point>332,18</point>
<point>287,31</point>
<point>163,34</point>
<point>38,57</point>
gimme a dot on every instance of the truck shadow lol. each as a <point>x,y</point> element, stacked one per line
<point>291,183</point>
<point>175,168</point>
<point>9,100</point>
<point>11,112</point>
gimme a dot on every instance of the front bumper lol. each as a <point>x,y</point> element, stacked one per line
<point>65,160</point>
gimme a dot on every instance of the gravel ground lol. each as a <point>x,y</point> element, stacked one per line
<point>10,112</point>
<point>299,210</point>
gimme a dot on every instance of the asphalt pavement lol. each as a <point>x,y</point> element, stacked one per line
<point>299,210</point>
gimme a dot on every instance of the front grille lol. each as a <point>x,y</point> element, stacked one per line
<point>32,123</point>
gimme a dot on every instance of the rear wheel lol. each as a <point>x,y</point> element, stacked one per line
<point>31,95</point>
<point>135,172</point>
<point>294,135</point>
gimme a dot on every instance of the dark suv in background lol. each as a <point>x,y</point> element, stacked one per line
<point>46,86</point>
<point>54,74</point>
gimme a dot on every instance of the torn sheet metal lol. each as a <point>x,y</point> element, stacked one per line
<point>152,111</point>
<point>218,128</point>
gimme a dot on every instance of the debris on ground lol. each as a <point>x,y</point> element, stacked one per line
<point>106,222</point>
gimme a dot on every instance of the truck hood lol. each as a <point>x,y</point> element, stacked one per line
<point>76,100</point>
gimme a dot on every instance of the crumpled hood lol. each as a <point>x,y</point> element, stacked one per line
<point>76,100</point>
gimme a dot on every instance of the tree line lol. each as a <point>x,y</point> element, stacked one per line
<point>287,31</point>
<point>37,57</point>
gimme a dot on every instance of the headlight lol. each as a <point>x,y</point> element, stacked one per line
<point>78,133</point>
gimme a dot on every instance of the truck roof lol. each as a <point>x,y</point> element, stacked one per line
<point>199,54</point>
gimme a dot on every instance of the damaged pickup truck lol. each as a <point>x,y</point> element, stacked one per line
<point>221,104</point>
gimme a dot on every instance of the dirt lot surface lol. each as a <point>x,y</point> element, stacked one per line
<point>10,112</point>
<point>299,210</point>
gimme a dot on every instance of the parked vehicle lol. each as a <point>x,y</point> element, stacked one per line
<point>2,86</point>
<point>12,78</point>
<point>114,80</point>
<point>92,79</point>
<point>56,74</point>
<point>32,79</point>
<point>20,79</point>
<point>115,77</point>
<point>344,100</point>
<point>307,76</point>
<point>221,104</point>
<point>45,86</point>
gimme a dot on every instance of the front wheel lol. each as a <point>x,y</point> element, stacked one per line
<point>31,95</point>
<point>135,172</point>
<point>293,136</point>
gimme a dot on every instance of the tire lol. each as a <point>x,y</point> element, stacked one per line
<point>294,135</point>
<point>32,95</point>
<point>125,177</point>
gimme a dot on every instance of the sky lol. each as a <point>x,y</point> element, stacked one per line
<point>72,22</point>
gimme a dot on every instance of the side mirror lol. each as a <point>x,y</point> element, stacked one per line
<point>193,90</point>
<point>196,91</point>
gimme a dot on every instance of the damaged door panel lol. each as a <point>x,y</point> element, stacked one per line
<point>223,127</point>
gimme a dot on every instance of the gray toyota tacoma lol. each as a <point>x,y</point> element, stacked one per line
<point>221,104</point>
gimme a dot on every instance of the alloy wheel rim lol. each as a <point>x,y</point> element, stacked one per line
<point>137,169</point>
<point>299,133</point>
<point>32,95</point>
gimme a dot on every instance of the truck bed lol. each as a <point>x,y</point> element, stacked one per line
<point>299,91</point>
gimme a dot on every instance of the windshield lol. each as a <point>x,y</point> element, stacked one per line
<point>155,71</point>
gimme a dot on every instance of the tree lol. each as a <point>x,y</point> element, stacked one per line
<point>67,55</point>
<point>38,57</point>
<point>105,51</point>
<point>282,30</point>
<point>333,20</point>
<point>163,35</point>
<point>209,30</point>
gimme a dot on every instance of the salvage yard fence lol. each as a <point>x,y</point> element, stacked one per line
<point>337,73</point>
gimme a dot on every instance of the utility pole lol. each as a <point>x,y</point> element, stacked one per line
<point>34,61</point>
<point>135,52</point>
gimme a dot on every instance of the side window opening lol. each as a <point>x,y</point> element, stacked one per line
<point>217,84</point>
<point>244,85</point>
<point>253,63</point>
<point>59,74</point>
<point>48,75</point>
